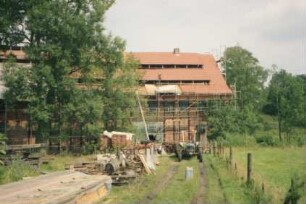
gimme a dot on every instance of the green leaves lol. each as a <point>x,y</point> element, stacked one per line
<point>244,71</point>
<point>2,146</point>
<point>286,100</point>
<point>66,44</point>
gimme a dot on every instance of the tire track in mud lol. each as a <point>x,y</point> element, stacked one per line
<point>162,183</point>
<point>199,196</point>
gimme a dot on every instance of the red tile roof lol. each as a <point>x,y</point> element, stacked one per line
<point>211,89</point>
<point>209,71</point>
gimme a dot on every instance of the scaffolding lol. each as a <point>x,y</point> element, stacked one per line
<point>175,118</point>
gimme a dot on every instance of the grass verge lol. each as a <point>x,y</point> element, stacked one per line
<point>142,186</point>
<point>223,186</point>
<point>274,167</point>
<point>178,189</point>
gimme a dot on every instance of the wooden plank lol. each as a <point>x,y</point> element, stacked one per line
<point>144,163</point>
<point>58,187</point>
<point>21,147</point>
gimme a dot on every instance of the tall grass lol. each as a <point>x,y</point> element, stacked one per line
<point>19,169</point>
<point>16,171</point>
<point>223,185</point>
<point>274,167</point>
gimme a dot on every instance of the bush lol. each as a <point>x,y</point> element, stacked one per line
<point>2,146</point>
<point>295,191</point>
<point>267,139</point>
<point>239,140</point>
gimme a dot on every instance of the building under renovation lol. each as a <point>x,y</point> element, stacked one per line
<point>179,88</point>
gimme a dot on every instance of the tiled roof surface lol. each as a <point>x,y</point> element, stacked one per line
<point>211,89</point>
<point>209,71</point>
<point>169,58</point>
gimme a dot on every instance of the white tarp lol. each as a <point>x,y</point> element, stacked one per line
<point>129,136</point>
<point>174,89</point>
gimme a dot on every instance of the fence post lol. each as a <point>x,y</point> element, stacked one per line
<point>236,172</point>
<point>223,150</point>
<point>249,169</point>
<point>231,155</point>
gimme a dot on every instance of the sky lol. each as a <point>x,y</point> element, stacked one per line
<point>273,30</point>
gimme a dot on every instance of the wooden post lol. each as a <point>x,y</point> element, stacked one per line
<point>223,150</point>
<point>249,168</point>
<point>231,155</point>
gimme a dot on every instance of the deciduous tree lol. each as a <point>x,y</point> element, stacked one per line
<point>66,43</point>
<point>244,71</point>
<point>286,101</point>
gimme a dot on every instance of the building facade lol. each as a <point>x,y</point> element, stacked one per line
<point>179,88</point>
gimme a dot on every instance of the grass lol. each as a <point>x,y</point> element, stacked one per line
<point>58,163</point>
<point>18,169</point>
<point>142,186</point>
<point>214,192</point>
<point>178,189</point>
<point>274,167</point>
<point>223,186</point>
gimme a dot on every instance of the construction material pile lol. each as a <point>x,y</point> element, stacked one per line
<point>123,166</point>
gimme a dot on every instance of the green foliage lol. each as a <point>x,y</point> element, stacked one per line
<point>66,40</point>
<point>221,121</point>
<point>244,71</point>
<point>2,146</point>
<point>295,191</point>
<point>227,121</point>
<point>267,139</point>
<point>119,96</point>
<point>12,15</point>
<point>286,101</point>
<point>83,113</point>
<point>240,140</point>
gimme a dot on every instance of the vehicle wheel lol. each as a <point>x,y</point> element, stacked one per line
<point>200,157</point>
<point>179,152</point>
<point>179,155</point>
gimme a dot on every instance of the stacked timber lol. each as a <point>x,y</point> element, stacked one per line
<point>115,140</point>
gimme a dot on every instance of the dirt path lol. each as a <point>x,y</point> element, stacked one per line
<point>161,184</point>
<point>199,196</point>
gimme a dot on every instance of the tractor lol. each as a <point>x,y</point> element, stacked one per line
<point>192,148</point>
<point>187,150</point>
